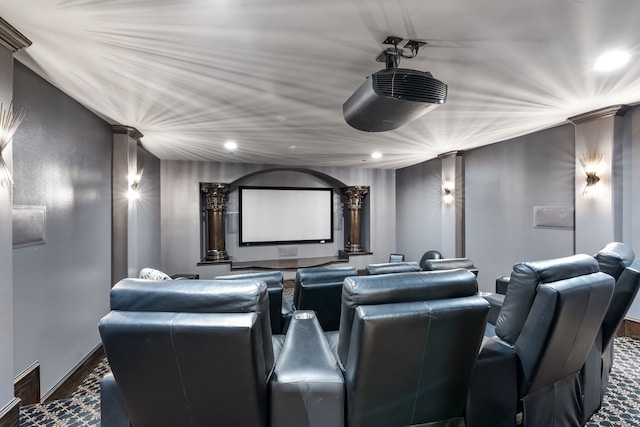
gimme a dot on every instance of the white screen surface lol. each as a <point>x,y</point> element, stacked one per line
<point>284,215</point>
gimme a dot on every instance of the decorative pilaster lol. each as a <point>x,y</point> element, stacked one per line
<point>215,203</point>
<point>354,195</point>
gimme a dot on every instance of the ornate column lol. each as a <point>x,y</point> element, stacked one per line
<point>354,195</point>
<point>215,198</point>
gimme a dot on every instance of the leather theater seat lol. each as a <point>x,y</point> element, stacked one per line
<point>407,346</point>
<point>392,267</point>
<point>617,260</point>
<point>529,367</point>
<point>320,289</point>
<point>280,308</point>
<point>187,352</point>
<point>448,264</point>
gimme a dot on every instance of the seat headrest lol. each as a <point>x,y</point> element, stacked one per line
<point>523,285</point>
<point>392,267</point>
<point>614,258</point>
<point>269,277</point>
<point>190,296</point>
<point>408,287</point>
<point>311,275</point>
<point>446,264</point>
<point>398,288</point>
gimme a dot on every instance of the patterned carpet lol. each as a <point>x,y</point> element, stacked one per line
<point>621,406</point>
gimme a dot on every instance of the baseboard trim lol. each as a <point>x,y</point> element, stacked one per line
<point>10,414</point>
<point>630,328</point>
<point>26,385</point>
<point>66,386</point>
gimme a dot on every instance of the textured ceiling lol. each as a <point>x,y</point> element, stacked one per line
<point>273,74</point>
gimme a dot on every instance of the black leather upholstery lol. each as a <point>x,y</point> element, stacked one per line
<point>307,386</point>
<point>408,344</point>
<point>614,258</point>
<point>550,319</point>
<point>280,308</point>
<point>448,264</point>
<point>618,260</point>
<point>523,286</point>
<point>392,267</point>
<point>191,351</point>
<point>502,283</point>
<point>319,289</point>
<point>429,255</point>
<point>396,257</point>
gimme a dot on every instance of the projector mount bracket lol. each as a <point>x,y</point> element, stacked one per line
<point>391,55</point>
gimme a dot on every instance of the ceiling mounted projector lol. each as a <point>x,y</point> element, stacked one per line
<point>394,96</point>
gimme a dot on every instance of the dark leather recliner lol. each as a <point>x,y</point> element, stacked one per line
<point>407,344</point>
<point>392,267</point>
<point>280,308</point>
<point>320,289</point>
<point>528,369</point>
<point>187,352</point>
<point>429,255</point>
<point>618,260</point>
<point>396,257</point>
<point>448,264</point>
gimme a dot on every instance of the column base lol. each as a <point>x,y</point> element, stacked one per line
<point>215,255</point>
<point>354,247</point>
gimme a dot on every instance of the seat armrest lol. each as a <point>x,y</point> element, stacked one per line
<point>495,305</point>
<point>112,410</point>
<point>502,283</point>
<point>494,386</point>
<point>307,385</point>
<point>286,312</point>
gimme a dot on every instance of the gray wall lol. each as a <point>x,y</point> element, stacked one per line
<point>631,190</point>
<point>181,225</point>
<point>6,266</point>
<point>419,209</point>
<point>144,251</point>
<point>503,184</point>
<point>62,160</point>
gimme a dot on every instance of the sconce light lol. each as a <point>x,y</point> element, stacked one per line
<point>447,192</point>
<point>592,165</point>
<point>134,181</point>
<point>10,119</point>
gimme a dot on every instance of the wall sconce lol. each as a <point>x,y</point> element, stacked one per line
<point>447,192</point>
<point>592,165</point>
<point>134,181</point>
<point>10,120</point>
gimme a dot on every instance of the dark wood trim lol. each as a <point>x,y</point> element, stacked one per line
<point>26,385</point>
<point>74,378</point>
<point>10,414</point>
<point>630,328</point>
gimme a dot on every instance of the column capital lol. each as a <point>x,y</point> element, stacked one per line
<point>215,195</point>
<point>354,195</point>
<point>612,110</point>
<point>127,130</point>
<point>11,38</point>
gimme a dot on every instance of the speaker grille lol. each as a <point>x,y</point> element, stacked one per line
<point>418,86</point>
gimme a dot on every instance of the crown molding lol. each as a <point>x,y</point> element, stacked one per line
<point>11,38</point>
<point>456,153</point>
<point>610,111</point>
<point>127,130</point>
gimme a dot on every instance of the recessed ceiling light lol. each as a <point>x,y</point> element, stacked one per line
<point>230,145</point>
<point>611,60</point>
<point>376,155</point>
